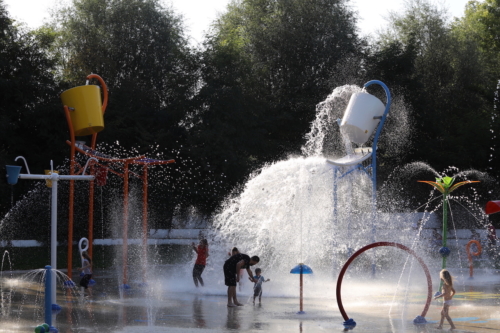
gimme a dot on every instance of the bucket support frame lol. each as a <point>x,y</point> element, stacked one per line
<point>370,170</point>
<point>124,173</point>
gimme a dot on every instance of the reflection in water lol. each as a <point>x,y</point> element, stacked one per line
<point>198,316</point>
<point>258,324</point>
<point>122,316</point>
<point>233,319</point>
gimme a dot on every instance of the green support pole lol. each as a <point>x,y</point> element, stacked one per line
<point>445,225</point>
<point>445,232</point>
<point>445,186</point>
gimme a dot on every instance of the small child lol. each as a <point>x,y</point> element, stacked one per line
<point>87,272</point>
<point>257,288</point>
<point>447,292</point>
<point>201,261</point>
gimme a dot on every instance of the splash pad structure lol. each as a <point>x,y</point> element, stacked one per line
<point>264,220</point>
<point>349,322</point>
<point>363,115</point>
<point>13,173</point>
<point>84,115</point>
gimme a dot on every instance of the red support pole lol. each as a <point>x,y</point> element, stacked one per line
<point>91,212</point>
<point>125,223</point>
<point>301,288</point>
<point>144,221</point>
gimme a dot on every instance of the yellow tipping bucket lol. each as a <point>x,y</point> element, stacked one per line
<point>48,182</point>
<point>85,109</point>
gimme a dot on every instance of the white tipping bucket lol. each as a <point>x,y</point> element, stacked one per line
<point>358,123</point>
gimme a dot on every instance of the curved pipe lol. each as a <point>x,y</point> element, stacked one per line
<point>469,254</point>
<point>25,163</point>
<point>387,107</point>
<point>104,105</point>
<point>83,245</point>
<point>104,90</point>
<point>377,244</point>
<point>374,153</point>
<point>87,164</point>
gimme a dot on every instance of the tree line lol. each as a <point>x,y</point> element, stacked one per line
<point>247,95</point>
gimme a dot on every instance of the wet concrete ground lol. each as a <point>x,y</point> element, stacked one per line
<point>476,308</point>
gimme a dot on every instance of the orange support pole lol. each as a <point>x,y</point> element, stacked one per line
<point>125,223</point>
<point>301,288</point>
<point>92,170</point>
<point>71,192</point>
<point>72,182</point>
<point>144,221</point>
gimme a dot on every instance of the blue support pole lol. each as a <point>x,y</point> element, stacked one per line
<point>374,157</point>
<point>48,295</point>
<point>373,165</point>
<point>375,139</point>
<point>335,213</point>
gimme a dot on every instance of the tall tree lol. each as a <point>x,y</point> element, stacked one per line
<point>481,22</point>
<point>299,51</point>
<point>140,50</point>
<point>28,103</point>
<point>266,65</point>
<point>445,82</point>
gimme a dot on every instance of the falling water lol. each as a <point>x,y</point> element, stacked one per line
<point>5,296</point>
<point>286,211</point>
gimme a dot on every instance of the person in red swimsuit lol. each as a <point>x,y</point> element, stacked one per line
<point>201,261</point>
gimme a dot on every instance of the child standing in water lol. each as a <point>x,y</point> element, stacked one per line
<point>201,261</point>
<point>87,272</point>
<point>447,292</point>
<point>257,288</point>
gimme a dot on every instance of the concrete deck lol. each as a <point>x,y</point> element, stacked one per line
<point>152,309</point>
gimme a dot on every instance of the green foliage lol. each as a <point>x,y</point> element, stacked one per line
<point>29,121</point>
<point>247,98</point>
<point>482,23</point>
<point>444,79</point>
<point>266,65</point>
<point>139,49</point>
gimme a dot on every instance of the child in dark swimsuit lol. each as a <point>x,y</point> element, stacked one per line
<point>87,272</point>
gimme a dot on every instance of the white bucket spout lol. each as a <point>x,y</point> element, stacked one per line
<point>361,117</point>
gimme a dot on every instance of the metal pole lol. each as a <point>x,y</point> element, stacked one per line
<point>71,198</point>
<point>48,293</point>
<point>374,159</point>
<point>125,223</point>
<point>144,221</point>
<point>53,235</point>
<point>445,225</point>
<point>335,216</point>
<point>91,213</point>
<point>301,288</point>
